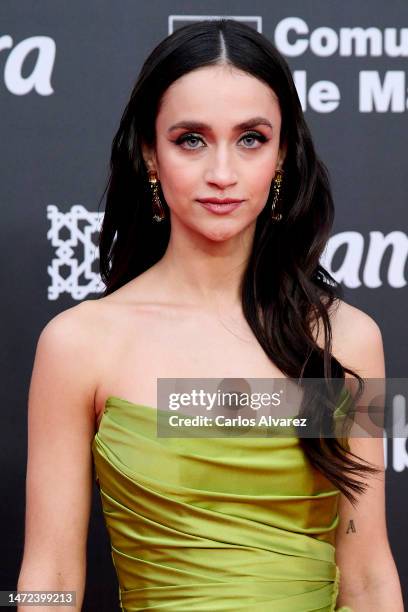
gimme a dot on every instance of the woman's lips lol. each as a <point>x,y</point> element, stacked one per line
<point>220,208</point>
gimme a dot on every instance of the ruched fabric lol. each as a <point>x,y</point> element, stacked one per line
<point>214,524</point>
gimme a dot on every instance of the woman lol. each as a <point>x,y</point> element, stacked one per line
<point>198,286</point>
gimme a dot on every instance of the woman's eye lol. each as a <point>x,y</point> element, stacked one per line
<point>188,138</point>
<point>257,136</point>
<point>193,140</point>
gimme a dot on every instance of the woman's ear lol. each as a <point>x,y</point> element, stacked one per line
<point>149,158</point>
<point>281,156</point>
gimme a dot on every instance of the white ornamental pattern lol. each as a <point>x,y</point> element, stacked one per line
<point>75,252</point>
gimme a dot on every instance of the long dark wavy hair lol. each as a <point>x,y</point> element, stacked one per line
<point>285,291</point>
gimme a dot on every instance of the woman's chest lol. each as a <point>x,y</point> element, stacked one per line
<point>191,348</point>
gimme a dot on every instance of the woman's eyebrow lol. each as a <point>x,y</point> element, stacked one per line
<point>198,125</point>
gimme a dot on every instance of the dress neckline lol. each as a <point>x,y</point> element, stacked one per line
<point>115,399</point>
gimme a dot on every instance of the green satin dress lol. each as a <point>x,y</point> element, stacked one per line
<point>214,524</point>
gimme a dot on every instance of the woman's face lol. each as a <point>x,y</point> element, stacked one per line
<point>203,151</point>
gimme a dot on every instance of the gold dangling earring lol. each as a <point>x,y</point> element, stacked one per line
<point>276,183</point>
<point>158,210</point>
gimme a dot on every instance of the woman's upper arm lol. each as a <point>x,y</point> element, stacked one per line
<point>59,460</point>
<point>363,528</point>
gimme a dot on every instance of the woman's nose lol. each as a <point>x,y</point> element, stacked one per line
<point>221,169</point>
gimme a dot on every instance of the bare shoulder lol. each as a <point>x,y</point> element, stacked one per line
<point>74,323</point>
<point>348,319</point>
<point>93,325</point>
<point>79,327</point>
<point>69,346</point>
<point>85,334</point>
<point>356,339</point>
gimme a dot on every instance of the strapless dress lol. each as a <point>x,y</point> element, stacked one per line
<point>214,524</point>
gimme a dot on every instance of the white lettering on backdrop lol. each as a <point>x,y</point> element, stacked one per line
<point>40,78</point>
